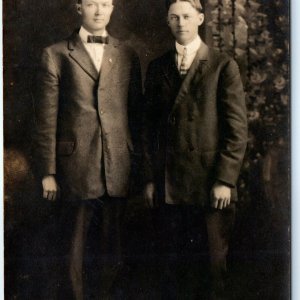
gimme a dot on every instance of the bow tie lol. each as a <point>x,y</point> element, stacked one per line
<point>97,39</point>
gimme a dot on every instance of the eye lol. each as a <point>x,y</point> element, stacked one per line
<point>186,17</point>
<point>105,5</point>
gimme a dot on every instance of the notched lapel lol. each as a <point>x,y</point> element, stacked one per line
<point>79,54</point>
<point>198,67</point>
<point>169,68</point>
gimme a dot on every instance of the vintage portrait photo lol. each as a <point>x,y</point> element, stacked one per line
<point>147,149</point>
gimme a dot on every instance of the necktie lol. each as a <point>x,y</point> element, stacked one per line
<point>183,67</point>
<point>97,39</point>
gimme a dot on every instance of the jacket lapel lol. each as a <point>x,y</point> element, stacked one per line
<point>79,54</point>
<point>199,67</point>
<point>110,57</point>
<point>169,68</point>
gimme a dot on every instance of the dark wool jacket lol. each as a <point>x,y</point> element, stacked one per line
<point>194,130</point>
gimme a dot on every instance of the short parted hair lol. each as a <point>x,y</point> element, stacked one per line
<point>195,3</point>
<point>80,1</point>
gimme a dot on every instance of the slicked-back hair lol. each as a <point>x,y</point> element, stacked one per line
<point>195,3</point>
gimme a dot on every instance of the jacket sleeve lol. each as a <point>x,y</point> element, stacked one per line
<point>46,111</point>
<point>149,123</point>
<point>233,125</point>
<point>135,97</point>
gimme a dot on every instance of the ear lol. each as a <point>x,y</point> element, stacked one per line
<point>78,8</point>
<point>201,19</point>
<point>168,22</point>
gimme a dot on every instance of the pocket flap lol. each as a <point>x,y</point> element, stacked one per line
<point>65,148</point>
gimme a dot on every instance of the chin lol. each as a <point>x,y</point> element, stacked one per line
<point>182,42</point>
<point>96,29</point>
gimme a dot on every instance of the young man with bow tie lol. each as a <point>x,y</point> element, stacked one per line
<point>195,135</point>
<point>87,105</point>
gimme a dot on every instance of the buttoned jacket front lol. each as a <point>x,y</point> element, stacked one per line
<point>85,120</point>
<point>195,129</point>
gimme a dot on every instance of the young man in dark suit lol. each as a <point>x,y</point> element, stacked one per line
<point>195,135</point>
<point>87,100</point>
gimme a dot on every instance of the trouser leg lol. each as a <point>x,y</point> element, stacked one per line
<point>219,227</point>
<point>110,260</point>
<point>78,242</point>
<point>172,237</point>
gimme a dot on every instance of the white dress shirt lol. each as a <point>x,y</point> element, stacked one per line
<point>191,48</point>
<point>95,50</point>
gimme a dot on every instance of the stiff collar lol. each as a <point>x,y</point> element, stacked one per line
<point>83,33</point>
<point>192,47</point>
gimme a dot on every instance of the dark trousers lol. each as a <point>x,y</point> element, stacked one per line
<point>190,237</point>
<point>93,251</point>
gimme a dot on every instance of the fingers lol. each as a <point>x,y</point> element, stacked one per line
<point>149,194</point>
<point>45,194</point>
<point>150,202</point>
<point>220,196</point>
<point>215,203</point>
<point>51,189</point>
<point>228,202</point>
<point>149,197</point>
<point>220,203</point>
<point>50,195</point>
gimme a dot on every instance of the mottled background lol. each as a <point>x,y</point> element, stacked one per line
<point>256,33</point>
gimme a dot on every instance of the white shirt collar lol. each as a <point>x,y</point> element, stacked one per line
<point>83,33</point>
<point>192,47</point>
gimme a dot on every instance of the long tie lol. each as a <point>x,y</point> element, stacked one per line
<point>183,67</point>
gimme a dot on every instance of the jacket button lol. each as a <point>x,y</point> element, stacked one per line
<point>192,148</point>
<point>101,112</point>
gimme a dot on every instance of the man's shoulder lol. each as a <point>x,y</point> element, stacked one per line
<point>62,44</point>
<point>219,57</point>
<point>163,59</point>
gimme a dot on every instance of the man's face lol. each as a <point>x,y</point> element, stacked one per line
<point>95,14</point>
<point>184,20</point>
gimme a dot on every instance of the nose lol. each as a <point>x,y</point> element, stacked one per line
<point>180,21</point>
<point>98,9</point>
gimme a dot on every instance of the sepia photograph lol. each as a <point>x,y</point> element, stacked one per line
<point>147,149</point>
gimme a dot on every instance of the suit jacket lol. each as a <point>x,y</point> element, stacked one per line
<point>86,121</point>
<point>195,130</point>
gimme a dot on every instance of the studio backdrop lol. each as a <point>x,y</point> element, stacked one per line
<point>256,34</point>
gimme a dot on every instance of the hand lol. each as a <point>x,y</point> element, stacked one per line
<point>220,196</point>
<point>50,188</point>
<point>149,192</point>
